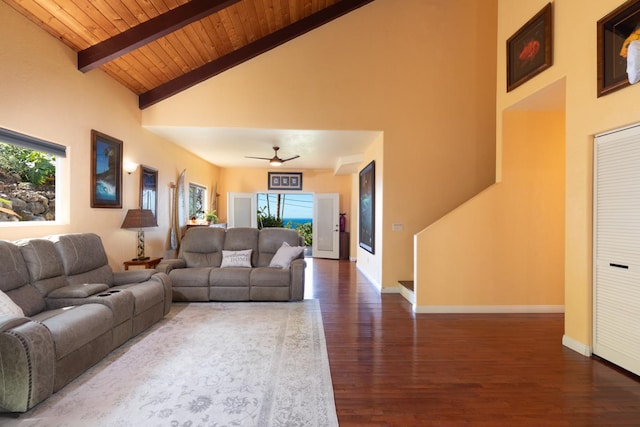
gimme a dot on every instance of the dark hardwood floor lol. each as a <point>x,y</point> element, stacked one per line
<point>391,367</point>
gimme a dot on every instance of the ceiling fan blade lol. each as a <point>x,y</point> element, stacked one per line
<point>259,158</point>
<point>290,158</point>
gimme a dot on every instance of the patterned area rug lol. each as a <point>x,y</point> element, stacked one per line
<point>206,364</point>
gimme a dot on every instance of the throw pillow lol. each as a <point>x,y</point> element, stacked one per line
<point>8,307</point>
<point>285,254</point>
<point>236,258</point>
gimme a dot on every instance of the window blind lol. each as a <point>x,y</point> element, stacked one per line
<point>32,143</point>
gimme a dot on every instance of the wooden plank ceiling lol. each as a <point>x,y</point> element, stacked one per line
<point>157,48</point>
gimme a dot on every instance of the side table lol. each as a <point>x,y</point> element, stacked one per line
<point>147,263</point>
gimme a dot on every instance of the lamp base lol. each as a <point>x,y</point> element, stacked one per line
<point>144,258</point>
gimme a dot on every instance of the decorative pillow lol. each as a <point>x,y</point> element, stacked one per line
<point>8,307</point>
<point>285,254</point>
<point>236,258</point>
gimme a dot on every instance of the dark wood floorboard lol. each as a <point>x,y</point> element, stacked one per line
<point>391,367</point>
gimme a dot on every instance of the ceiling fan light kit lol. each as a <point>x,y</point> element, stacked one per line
<point>275,160</point>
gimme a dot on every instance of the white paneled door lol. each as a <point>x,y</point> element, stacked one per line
<point>242,210</point>
<point>326,226</point>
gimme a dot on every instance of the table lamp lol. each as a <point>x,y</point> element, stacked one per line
<point>139,219</point>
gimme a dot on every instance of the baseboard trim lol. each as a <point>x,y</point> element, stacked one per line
<point>488,309</point>
<point>369,278</point>
<point>408,295</point>
<point>391,290</point>
<point>576,346</point>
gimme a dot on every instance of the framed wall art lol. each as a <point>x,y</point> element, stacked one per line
<point>530,49</point>
<point>367,207</point>
<point>615,31</point>
<point>149,189</point>
<point>106,171</point>
<point>285,180</point>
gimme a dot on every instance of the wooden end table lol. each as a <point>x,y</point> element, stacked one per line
<point>147,263</point>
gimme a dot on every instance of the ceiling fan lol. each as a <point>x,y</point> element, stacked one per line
<point>275,160</point>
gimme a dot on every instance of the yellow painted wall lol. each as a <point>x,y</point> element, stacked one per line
<point>44,95</point>
<point>505,247</point>
<point>586,115</point>
<point>400,70</point>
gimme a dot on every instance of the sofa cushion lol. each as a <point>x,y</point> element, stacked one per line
<point>202,247</point>
<point>190,277</point>
<point>15,280</point>
<point>270,241</point>
<point>229,277</point>
<point>286,254</point>
<point>236,258</point>
<point>8,307</point>
<point>80,253</point>
<point>145,295</point>
<point>73,327</point>
<point>44,264</point>
<point>41,257</point>
<point>29,299</point>
<point>13,268</point>
<point>270,277</point>
<point>103,274</point>
<point>240,238</point>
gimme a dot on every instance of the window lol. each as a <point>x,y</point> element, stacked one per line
<point>27,177</point>
<point>197,201</point>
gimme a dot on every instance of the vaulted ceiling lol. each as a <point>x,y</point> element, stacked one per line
<point>157,48</point>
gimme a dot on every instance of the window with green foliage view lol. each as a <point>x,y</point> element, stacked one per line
<point>27,184</point>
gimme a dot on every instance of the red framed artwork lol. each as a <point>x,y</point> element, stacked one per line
<point>530,49</point>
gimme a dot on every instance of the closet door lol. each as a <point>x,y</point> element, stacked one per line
<point>616,248</point>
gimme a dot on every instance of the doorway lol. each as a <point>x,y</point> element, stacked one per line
<point>314,216</point>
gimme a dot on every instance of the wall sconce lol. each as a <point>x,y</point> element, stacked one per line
<point>130,167</point>
<point>139,219</point>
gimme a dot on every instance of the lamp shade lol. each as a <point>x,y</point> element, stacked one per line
<point>139,218</point>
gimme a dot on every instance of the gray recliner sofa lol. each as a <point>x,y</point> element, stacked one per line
<point>199,273</point>
<point>75,311</point>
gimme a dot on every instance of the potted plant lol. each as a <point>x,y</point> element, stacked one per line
<point>211,217</point>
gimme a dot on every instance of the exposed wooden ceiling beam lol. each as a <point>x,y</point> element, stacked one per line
<point>249,51</point>
<point>148,31</point>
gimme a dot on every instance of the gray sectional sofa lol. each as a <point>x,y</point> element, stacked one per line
<point>270,272</point>
<point>74,311</point>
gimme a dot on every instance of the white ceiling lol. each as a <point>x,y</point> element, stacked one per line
<point>341,151</point>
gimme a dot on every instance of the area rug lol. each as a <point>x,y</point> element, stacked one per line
<point>206,364</point>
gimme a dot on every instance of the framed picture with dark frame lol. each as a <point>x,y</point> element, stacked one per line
<point>613,31</point>
<point>530,49</point>
<point>106,171</point>
<point>367,207</point>
<point>285,180</point>
<point>149,189</point>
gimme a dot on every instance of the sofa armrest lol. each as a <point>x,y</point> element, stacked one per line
<point>8,322</point>
<point>78,291</point>
<point>168,290</point>
<point>131,276</point>
<point>166,265</point>
<point>297,279</point>
<point>27,364</point>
